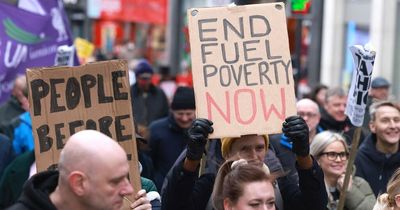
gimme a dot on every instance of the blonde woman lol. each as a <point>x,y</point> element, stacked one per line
<point>331,152</point>
<point>391,199</point>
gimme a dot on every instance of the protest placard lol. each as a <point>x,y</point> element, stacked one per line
<point>241,68</point>
<point>364,59</point>
<point>65,100</point>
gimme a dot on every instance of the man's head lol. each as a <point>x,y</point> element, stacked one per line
<point>20,91</point>
<point>379,88</point>
<point>143,73</point>
<point>309,111</point>
<point>94,171</point>
<point>183,107</point>
<point>318,94</point>
<point>385,122</point>
<point>335,103</point>
<point>248,147</point>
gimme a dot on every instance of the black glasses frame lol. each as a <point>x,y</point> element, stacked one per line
<point>335,155</point>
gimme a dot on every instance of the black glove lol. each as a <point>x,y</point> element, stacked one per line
<point>296,129</point>
<point>198,135</point>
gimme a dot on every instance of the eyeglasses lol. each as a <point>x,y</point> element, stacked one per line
<point>306,114</point>
<point>333,155</point>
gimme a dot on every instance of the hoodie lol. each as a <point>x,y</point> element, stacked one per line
<point>36,192</point>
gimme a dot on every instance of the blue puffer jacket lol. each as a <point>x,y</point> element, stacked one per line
<point>23,138</point>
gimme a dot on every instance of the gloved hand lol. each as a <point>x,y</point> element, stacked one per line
<point>296,129</point>
<point>198,135</point>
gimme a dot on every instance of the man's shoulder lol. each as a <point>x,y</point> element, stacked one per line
<point>159,123</point>
<point>9,110</point>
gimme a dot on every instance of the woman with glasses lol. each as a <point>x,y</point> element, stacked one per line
<point>331,152</point>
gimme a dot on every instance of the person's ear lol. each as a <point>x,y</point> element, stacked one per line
<point>318,159</point>
<point>77,183</point>
<point>372,127</point>
<point>227,204</point>
<point>397,200</point>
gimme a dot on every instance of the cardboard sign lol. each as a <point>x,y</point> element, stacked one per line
<point>241,68</point>
<point>364,59</point>
<point>65,100</point>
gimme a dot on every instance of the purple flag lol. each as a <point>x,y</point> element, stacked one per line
<point>29,40</point>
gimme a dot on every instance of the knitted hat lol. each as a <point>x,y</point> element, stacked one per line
<point>227,144</point>
<point>143,67</point>
<point>380,82</point>
<point>183,99</point>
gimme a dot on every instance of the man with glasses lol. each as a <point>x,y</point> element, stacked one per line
<point>282,145</point>
<point>379,156</point>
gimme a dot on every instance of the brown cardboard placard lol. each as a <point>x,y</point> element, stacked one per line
<point>241,68</point>
<point>65,100</point>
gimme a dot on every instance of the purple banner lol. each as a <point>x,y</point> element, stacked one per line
<point>29,40</point>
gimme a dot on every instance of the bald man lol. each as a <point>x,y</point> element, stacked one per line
<point>93,174</point>
<point>309,111</point>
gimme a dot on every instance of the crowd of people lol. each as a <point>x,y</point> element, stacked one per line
<point>301,168</point>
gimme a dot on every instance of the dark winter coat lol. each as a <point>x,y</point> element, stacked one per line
<point>184,190</point>
<point>37,190</point>
<point>374,166</point>
<point>150,106</point>
<point>345,127</point>
<point>6,153</point>
<point>167,141</point>
<point>14,178</point>
<point>10,109</point>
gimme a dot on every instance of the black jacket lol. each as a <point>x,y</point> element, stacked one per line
<point>167,141</point>
<point>184,190</point>
<point>10,109</point>
<point>150,106</point>
<point>309,193</point>
<point>37,189</point>
<point>374,166</point>
<point>345,127</point>
<point>35,195</point>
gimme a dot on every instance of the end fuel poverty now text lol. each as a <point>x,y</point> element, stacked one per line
<point>246,63</point>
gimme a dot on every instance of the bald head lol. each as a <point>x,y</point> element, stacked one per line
<point>94,173</point>
<point>87,149</point>
<point>307,103</point>
<point>309,111</point>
